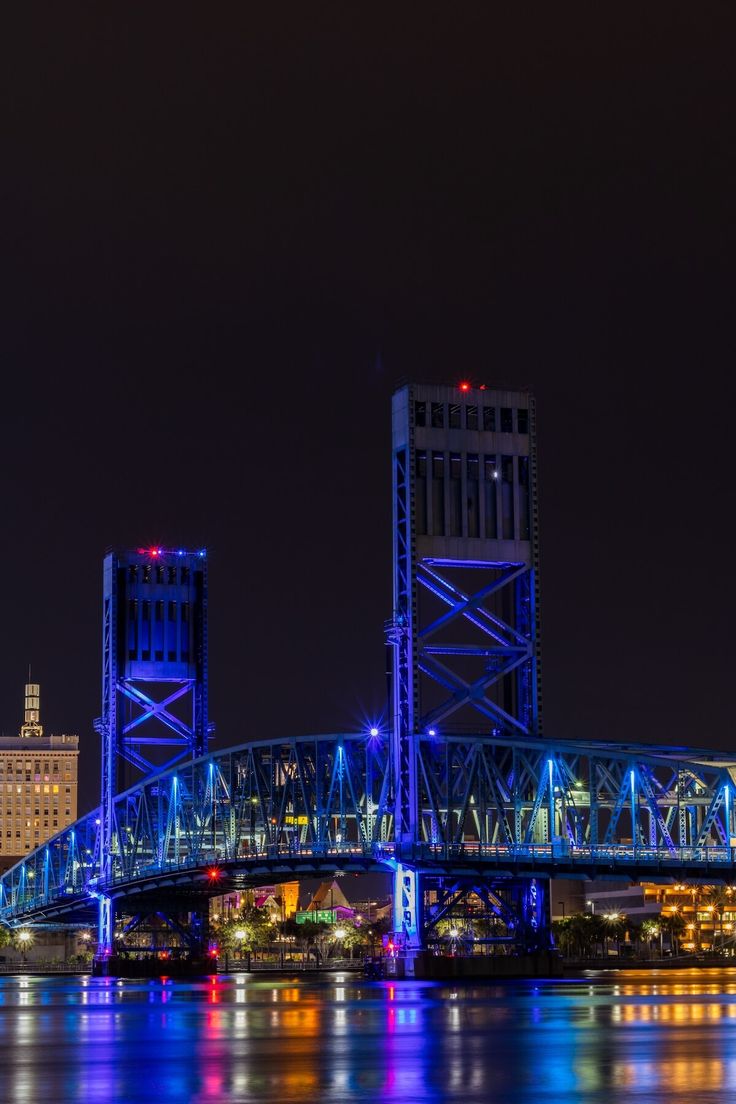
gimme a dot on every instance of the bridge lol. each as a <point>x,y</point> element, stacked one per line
<point>494,811</point>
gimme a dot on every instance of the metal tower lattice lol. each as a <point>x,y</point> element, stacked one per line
<point>154,676</point>
<point>465,624</point>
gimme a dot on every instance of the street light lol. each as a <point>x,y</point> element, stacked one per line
<point>24,938</point>
<point>591,905</point>
<point>239,935</point>
<point>562,905</point>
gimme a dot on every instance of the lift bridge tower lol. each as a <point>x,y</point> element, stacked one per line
<point>465,624</point>
<point>154,680</point>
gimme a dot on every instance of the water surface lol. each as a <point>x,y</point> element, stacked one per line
<point>622,1036</point>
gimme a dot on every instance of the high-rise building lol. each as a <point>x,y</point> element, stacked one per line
<point>38,783</point>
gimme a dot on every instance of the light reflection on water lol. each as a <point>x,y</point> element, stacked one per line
<point>658,1036</point>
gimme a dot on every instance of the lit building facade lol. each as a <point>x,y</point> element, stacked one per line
<point>694,918</point>
<point>38,784</point>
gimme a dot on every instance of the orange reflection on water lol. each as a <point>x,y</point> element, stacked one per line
<point>682,1012</point>
<point>693,982</point>
<point>302,1081</point>
<point>304,1020</point>
<point>675,1076</point>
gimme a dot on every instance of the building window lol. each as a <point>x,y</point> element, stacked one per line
<point>438,493</point>
<point>507,496</point>
<point>522,420</point>
<point>438,415</point>
<point>455,489</point>
<point>489,419</point>
<point>471,484</point>
<point>490,489</point>
<point>420,414</point>
<point>471,417</point>
<point>420,504</point>
<point>507,421</point>
<point>454,415</point>
<point>524,520</point>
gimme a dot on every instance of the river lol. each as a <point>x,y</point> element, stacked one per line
<point>622,1036</point>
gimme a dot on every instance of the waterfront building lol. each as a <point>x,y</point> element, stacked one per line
<point>696,917</point>
<point>280,901</point>
<point>38,783</point>
<point>328,906</point>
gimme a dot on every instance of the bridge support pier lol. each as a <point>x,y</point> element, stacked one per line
<point>185,953</point>
<point>409,906</point>
<point>409,928</point>
<point>105,932</point>
<point>497,925</point>
<point>531,900</point>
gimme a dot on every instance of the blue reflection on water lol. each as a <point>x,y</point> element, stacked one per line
<point>653,1037</point>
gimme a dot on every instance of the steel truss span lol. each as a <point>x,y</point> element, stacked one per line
<point>494,807</point>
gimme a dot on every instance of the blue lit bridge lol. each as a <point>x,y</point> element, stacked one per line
<point>461,797</point>
<point>494,813</point>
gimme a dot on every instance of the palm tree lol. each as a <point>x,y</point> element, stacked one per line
<point>615,926</point>
<point>718,901</point>
<point>311,934</point>
<point>247,931</point>
<point>632,932</point>
<point>585,933</point>
<point>651,929</point>
<point>674,925</point>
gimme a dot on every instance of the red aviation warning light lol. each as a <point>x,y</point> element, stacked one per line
<point>464,386</point>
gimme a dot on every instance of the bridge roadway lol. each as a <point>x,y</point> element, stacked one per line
<point>307,806</point>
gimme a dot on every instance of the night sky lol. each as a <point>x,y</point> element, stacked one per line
<point>230,231</point>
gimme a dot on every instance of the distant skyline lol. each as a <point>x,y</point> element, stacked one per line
<point>227,239</point>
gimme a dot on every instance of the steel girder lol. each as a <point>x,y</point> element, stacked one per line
<point>585,801</point>
<point>501,647</point>
<point>301,798</point>
<point>485,805</point>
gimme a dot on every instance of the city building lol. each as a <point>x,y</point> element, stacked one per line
<point>328,905</point>
<point>694,917</point>
<point>38,784</point>
<point>279,900</point>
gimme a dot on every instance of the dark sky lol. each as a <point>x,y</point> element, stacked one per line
<point>229,231</point>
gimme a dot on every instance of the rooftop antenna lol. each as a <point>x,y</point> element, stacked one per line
<point>32,713</point>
